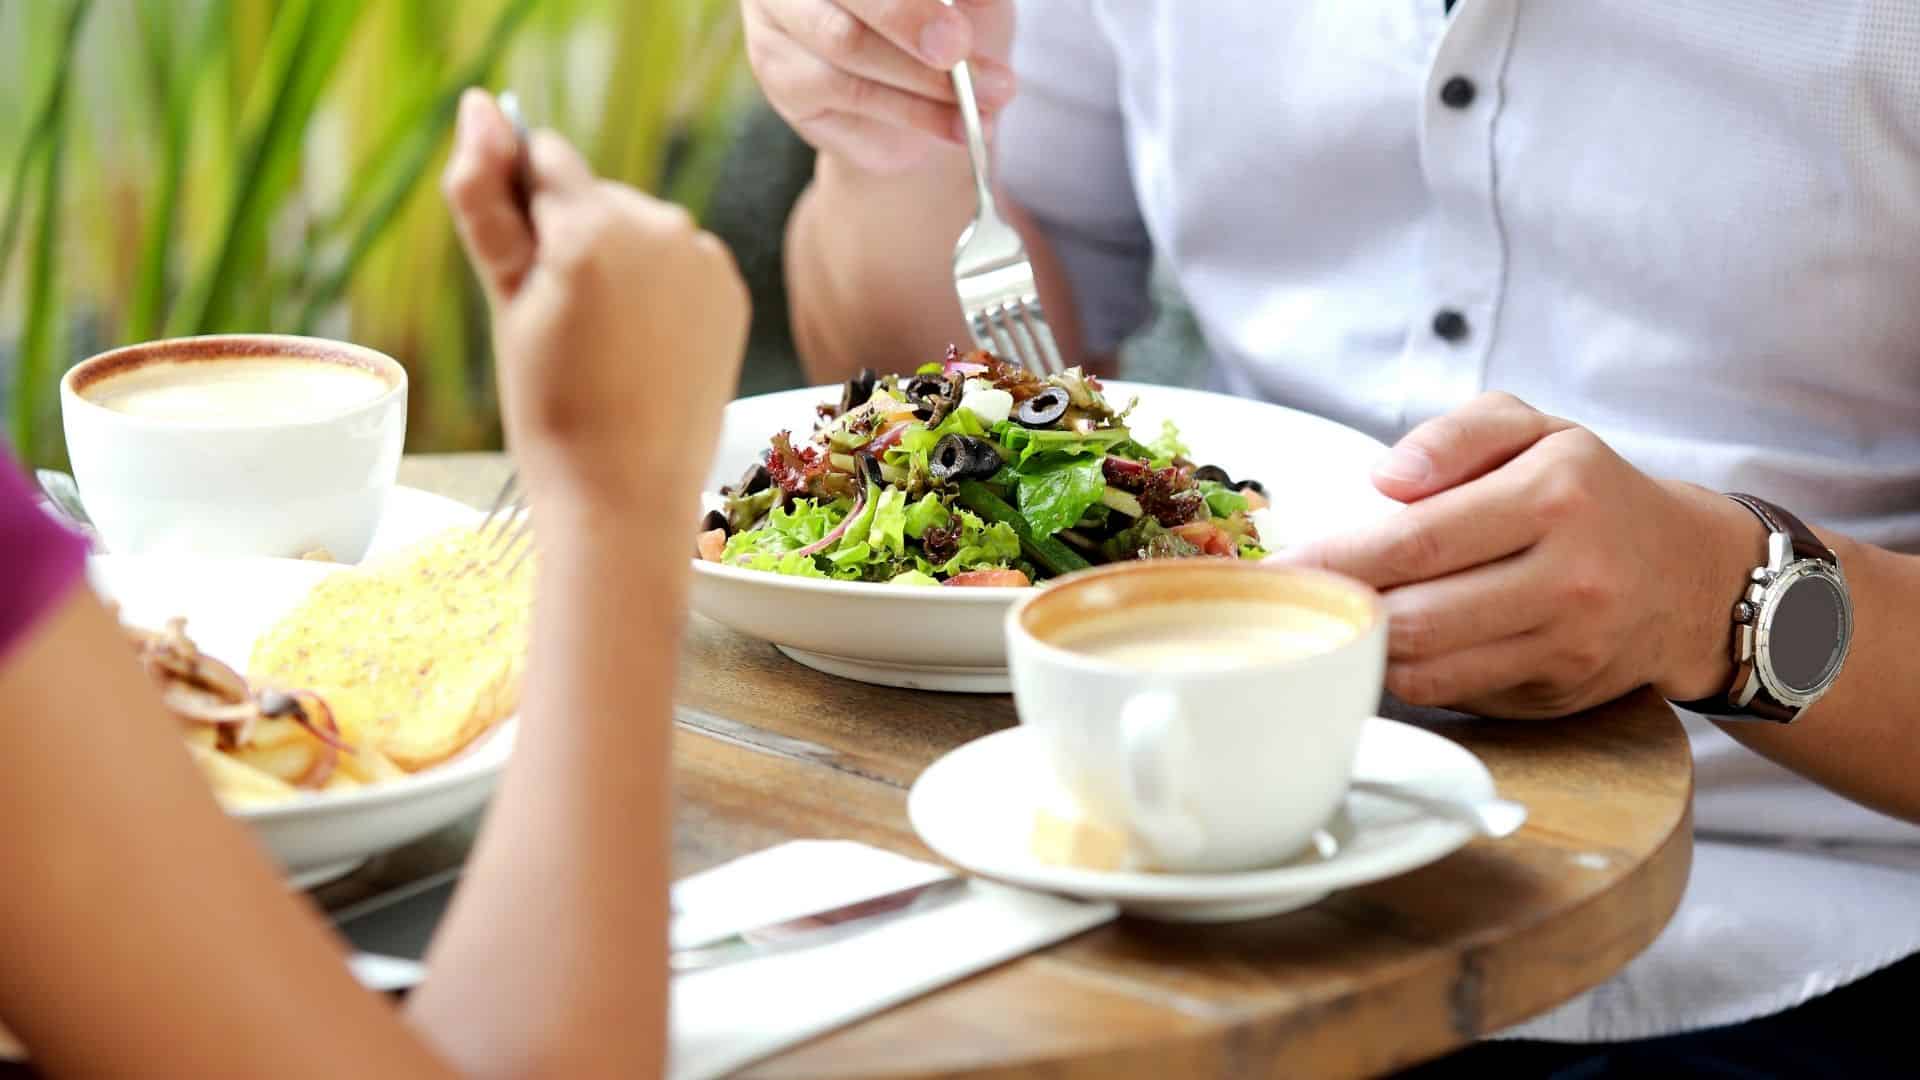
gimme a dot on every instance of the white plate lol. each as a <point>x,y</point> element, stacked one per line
<point>1316,472</point>
<point>230,602</point>
<point>975,807</point>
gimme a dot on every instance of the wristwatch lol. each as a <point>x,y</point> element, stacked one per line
<point>1791,627</point>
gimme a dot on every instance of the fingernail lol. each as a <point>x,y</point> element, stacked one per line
<point>943,42</point>
<point>995,84</point>
<point>1405,465</point>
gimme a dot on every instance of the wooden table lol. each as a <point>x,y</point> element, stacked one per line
<point>1368,981</point>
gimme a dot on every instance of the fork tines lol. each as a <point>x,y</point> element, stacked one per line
<point>1017,330</point>
<point>508,528</point>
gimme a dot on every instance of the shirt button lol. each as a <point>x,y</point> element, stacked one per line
<point>1457,92</point>
<point>1449,325</point>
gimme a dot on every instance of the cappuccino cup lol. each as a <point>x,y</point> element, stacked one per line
<point>1207,710</point>
<point>236,445</point>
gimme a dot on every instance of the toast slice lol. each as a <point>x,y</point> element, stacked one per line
<point>417,653</point>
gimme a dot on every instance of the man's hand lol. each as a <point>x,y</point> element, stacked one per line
<point>866,80</point>
<point>1536,573</point>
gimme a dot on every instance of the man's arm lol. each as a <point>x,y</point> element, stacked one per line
<point>1536,573</point>
<point>1862,739</point>
<point>870,268</point>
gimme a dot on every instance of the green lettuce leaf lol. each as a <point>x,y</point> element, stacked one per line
<point>926,514</point>
<point>1055,490</point>
<point>1168,446</point>
<point>888,534</point>
<point>1024,443</point>
<point>982,545</point>
<point>804,522</point>
<point>1222,500</point>
<point>913,577</point>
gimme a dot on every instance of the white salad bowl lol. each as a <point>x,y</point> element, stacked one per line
<point>1316,473</point>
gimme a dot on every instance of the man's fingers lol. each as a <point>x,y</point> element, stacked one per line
<point>477,187</point>
<point>1432,619</point>
<point>794,28</point>
<point>940,36</point>
<point>1453,531</point>
<point>1461,446</point>
<point>1482,672</point>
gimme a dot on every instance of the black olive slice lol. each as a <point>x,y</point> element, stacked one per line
<point>1043,408</point>
<point>754,481</point>
<point>714,520</point>
<point>986,460</point>
<point>1253,486</point>
<point>1214,473</point>
<point>870,468</point>
<point>925,386</point>
<point>952,458</point>
<point>859,389</point>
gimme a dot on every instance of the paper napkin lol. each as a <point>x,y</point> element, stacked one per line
<point>728,1017</point>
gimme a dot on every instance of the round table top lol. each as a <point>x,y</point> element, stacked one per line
<point>1370,980</point>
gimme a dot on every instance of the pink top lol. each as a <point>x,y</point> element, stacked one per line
<point>40,559</point>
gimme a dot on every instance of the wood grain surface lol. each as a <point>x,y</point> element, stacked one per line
<point>1366,982</point>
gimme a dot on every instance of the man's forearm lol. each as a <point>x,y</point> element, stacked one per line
<point>1862,739</point>
<point>870,269</point>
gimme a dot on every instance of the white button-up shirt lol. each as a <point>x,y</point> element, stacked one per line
<point>1691,225</point>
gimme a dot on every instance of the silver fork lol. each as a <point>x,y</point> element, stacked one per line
<point>508,528</point>
<point>991,270</point>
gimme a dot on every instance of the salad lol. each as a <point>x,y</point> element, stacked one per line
<point>975,471</point>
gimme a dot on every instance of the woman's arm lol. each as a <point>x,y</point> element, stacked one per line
<point>553,957</point>
<point>141,928</point>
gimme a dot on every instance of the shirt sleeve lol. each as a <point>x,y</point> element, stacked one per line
<point>1062,154</point>
<point>40,560</point>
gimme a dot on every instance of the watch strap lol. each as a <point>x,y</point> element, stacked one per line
<point>1779,520</point>
<point>1806,545</point>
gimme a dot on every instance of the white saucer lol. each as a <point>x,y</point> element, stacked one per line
<point>975,807</point>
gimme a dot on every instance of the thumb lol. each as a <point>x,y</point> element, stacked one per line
<point>1462,445</point>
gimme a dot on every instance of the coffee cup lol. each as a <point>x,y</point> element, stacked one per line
<point>1207,710</point>
<point>236,445</point>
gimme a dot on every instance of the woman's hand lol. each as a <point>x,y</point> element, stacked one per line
<point>866,80</point>
<point>618,323</point>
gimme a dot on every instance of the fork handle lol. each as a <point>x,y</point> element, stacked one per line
<point>976,136</point>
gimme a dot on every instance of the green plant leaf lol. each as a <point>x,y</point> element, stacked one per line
<point>303,47</point>
<point>429,131</point>
<point>39,340</point>
<point>39,134</point>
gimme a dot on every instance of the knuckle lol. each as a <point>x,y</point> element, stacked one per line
<point>1564,496</point>
<point>1575,663</point>
<point>841,36</point>
<point>1501,401</point>
<point>1415,633</point>
<point>1415,684</point>
<point>1412,550</point>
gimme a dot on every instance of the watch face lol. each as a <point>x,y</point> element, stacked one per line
<point>1809,633</point>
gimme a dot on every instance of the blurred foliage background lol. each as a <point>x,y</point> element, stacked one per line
<point>174,167</point>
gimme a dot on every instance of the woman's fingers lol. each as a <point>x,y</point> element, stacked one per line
<point>477,186</point>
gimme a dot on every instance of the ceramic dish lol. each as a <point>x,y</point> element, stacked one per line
<point>976,808</point>
<point>1315,471</point>
<point>229,602</point>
